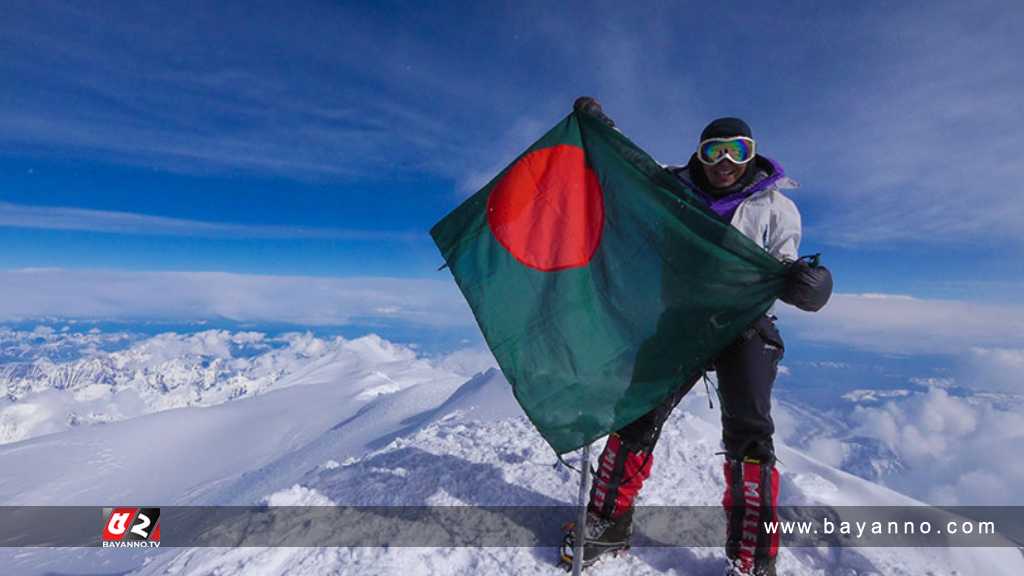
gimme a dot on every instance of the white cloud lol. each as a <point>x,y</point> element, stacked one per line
<point>933,382</point>
<point>468,361</point>
<point>828,450</point>
<point>115,222</point>
<point>313,301</point>
<point>985,340</point>
<point>829,364</point>
<point>297,495</point>
<point>898,324</point>
<point>862,395</point>
<point>994,369</point>
<point>957,450</point>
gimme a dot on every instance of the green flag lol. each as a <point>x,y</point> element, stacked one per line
<point>600,282</point>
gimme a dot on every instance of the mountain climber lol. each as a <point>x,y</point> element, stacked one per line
<point>744,189</point>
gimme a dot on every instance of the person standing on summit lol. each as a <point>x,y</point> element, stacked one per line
<point>744,189</point>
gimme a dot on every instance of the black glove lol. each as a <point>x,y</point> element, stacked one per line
<point>591,106</point>
<point>808,284</point>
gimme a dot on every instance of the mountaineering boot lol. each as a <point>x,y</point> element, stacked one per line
<point>751,499</point>
<point>621,471</point>
<point>734,569</point>
<point>603,537</point>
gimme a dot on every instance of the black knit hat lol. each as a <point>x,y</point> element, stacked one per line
<point>726,128</point>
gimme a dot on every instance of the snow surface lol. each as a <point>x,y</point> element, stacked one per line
<point>87,384</point>
<point>367,422</point>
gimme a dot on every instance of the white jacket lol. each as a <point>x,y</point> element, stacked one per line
<point>772,220</point>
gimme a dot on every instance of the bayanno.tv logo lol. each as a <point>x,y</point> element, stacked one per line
<point>131,527</point>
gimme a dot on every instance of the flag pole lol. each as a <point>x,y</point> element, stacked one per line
<point>581,524</point>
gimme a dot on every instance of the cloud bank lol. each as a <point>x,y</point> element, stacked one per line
<point>958,450</point>
<point>119,222</point>
<point>989,338</point>
<point>313,301</point>
<point>904,325</point>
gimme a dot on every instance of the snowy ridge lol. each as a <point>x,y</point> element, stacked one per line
<point>416,434</point>
<point>58,345</point>
<point>459,460</point>
<point>171,371</point>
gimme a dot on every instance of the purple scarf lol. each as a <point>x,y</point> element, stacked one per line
<point>726,206</point>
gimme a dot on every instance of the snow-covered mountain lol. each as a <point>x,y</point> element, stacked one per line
<point>54,381</point>
<point>370,423</point>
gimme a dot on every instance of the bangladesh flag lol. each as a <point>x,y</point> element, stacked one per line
<point>600,282</point>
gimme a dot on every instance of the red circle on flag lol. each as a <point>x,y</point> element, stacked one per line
<point>548,209</point>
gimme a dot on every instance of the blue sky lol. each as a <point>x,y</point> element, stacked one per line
<point>323,139</point>
<point>269,165</point>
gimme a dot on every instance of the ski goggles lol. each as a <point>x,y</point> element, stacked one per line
<point>739,150</point>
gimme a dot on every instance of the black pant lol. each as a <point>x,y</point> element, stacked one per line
<point>746,372</point>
